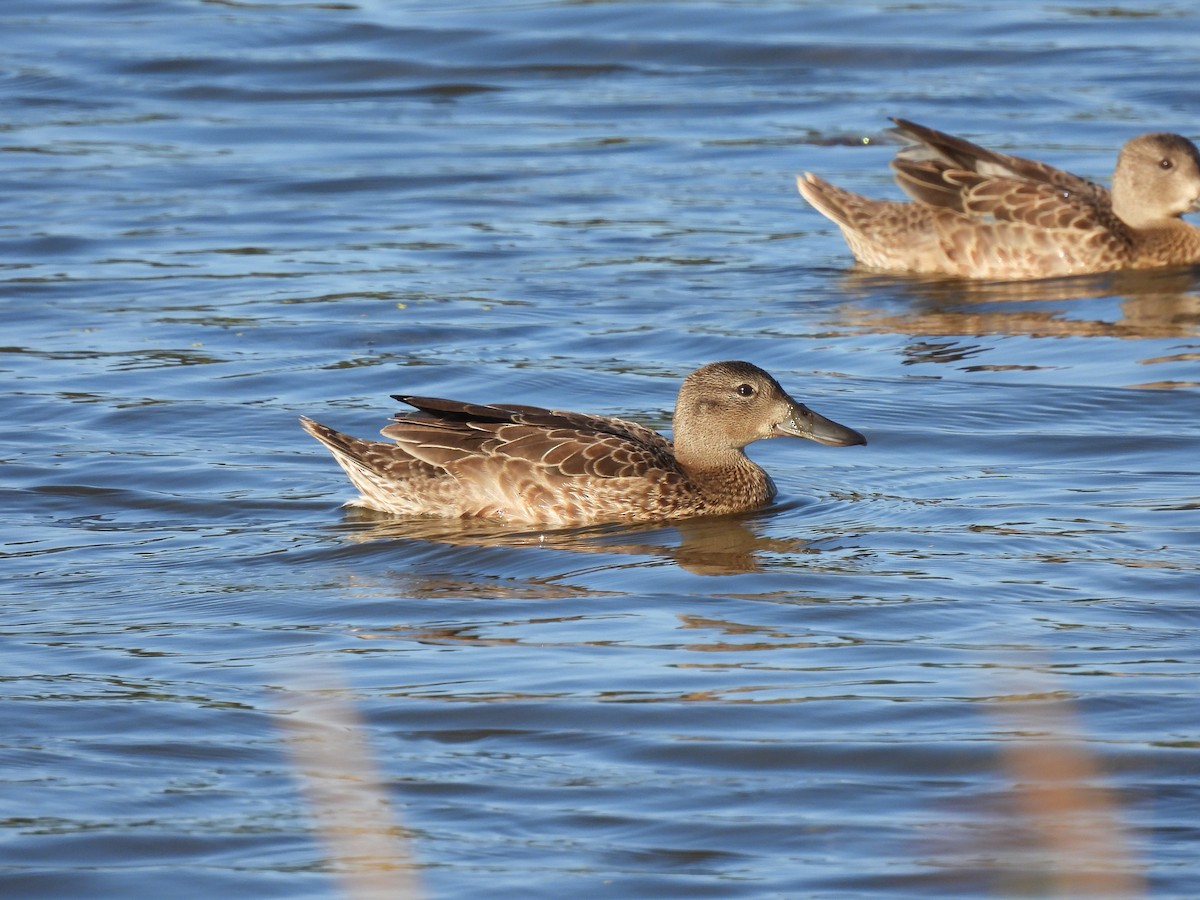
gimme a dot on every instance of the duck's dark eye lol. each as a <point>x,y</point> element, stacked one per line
<point>746,390</point>
<point>1165,164</point>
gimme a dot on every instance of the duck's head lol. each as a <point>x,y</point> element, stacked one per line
<point>1157,177</point>
<point>726,405</point>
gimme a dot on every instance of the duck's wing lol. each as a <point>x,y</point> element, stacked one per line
<point>1007,198</point>
<point>1027,229</point>
<point>483,440</point>
<point>929,145</point>
<point>1036,204</point>
<point>456,410</point>
<point>993,187</point>
<point>944,171</point>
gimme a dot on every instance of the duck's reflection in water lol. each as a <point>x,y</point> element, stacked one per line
<point>722,545</point>
<point>1159,303</point>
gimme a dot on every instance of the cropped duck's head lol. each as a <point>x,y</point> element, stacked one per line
<point>1157,177</point>
<point>727,405</point>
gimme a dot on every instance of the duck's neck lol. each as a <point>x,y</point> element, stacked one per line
<point>1170,242</point>
<point>1130,206</point>
<point>729,481</point>
<point>1127,209</point>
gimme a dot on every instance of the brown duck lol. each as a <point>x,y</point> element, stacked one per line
<point>983,214</point>
<point>524,464</point>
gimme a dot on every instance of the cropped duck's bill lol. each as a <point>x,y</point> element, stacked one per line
<point>804,423</point>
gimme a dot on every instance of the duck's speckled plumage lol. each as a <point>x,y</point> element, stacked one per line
<point>525,464</point>
<point>982,214</point>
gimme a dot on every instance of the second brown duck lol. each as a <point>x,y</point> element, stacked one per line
<point>983,214</point>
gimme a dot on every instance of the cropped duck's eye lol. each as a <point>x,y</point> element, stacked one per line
<point>746,390</point>
<point>1165,164</point>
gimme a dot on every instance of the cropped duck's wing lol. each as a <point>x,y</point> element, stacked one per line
<point>1037,204</point>
<point>950,173</point>
<point>455,410</point>
<point>465,439</point>
<point>947,152</point>
<point>941,170</point>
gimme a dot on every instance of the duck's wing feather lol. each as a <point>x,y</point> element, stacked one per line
<point>463,437</point>
<point>1029,227</point>
<point>927,144</point>
<point>931,171</point>
<point>1003,198</point>
<point>1037,204</point>
<point>925,181</point>
<point>1032,194</point>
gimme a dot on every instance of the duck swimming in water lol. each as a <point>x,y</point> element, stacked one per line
<point>524,464</point>
<point>982,214</point>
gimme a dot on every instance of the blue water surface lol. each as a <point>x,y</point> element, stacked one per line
<point>959,662</point>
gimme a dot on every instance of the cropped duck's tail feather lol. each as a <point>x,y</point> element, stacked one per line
<point>340,445</point>
<point>358,461</point>
<point>834,203</point>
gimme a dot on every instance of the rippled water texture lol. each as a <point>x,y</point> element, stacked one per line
<point>958,662</point>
